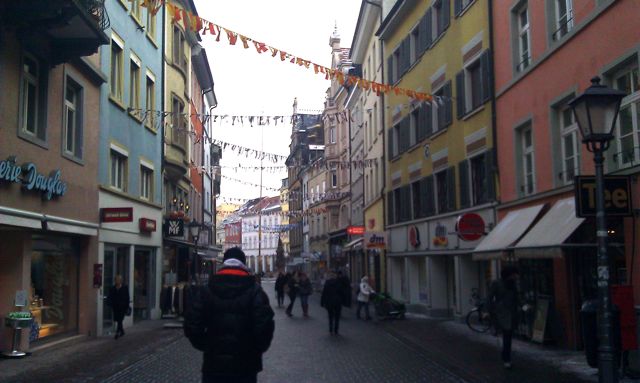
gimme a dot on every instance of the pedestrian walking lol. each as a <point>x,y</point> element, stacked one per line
<point>118,299</point>
<point>504,306</point>
<point>332,299</point>
<point>346,286</point>
<point>304,290</point>
<point>281,281</point>
<point>364,294</point>
<point>231,321</point>
<point>292,284</point>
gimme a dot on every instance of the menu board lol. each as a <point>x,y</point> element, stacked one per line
<point>540,321</point>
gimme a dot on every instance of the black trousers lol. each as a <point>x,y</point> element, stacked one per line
<point>334,318</point>
<point>118,316</point>
<point>252,378</point>
<point>280,295</point>
<point>366,309</point>
<point>506,345</point>
<point>293,300</point>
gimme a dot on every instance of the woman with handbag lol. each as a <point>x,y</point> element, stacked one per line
<point>118,299</point>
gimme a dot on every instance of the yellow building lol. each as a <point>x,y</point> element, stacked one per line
<point>439,154</point>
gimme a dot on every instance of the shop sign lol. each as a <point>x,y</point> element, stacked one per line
<point>414,236</point>
<point>440,237</point>
<point>470,227</point>
<point>355,230</point>
<point>50,186</point>
<point>147,225</point>
<point>174,228</point>
<point>97,275</point>
<point>375,240</point>
<point>617,196</point>
<point>116,214</point>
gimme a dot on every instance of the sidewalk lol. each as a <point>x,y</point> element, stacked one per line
<point>476,357</point>
<point>89,359</point>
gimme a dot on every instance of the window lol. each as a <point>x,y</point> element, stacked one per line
<point>72,128</point>
<point>570,145</point>
<point>134,85</point>
<point>402,133</point>
<point>461,5</point>
<point>179,58</point>
<point>136,10</point>
<point>628,124</point>
<point>117,63</point>
<point>416,200</point>
<point>33,98</point>
<point>526,161</point>
<point>334,179</point>
<point>151,23</point>
<point>563,18</point>
<point>445,189</point>
<point>401,204</point>
<point>440,17</point>
<point>524,40</point>
<point>414,121</point>
<point>441,109</point>
<point>473,85</point>
<point>118,171</point>
<point>332,135</point>
<point>146,183</point>
<point>479,191</point>
<point>416,47</point>
<point>179,123</point>
<point>150,101</point>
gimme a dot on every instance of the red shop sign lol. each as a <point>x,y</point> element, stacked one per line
<point>147,225</point>
<point>470,227</point>
<point>355,230</point>
<point>414,236</point>
<point>116,214</point>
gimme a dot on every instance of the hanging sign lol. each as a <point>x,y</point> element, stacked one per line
<point>97,275</point>
<point>147,225</point>
<point>174,228</point>
<point>355,230</point>
<point>50,186</point>
<point>470,227</point>
<point>375,240</point>
<point>617,196</point>
<point>414,236</point>
<point>440,237</point>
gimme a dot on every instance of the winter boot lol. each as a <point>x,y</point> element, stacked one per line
<point>305,310</point>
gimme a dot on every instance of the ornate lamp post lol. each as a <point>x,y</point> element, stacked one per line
<point>596,111</point>
<point>194,229</point>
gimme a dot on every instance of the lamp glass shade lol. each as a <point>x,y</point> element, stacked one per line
<point>194,228</point>
<point>596,111</point>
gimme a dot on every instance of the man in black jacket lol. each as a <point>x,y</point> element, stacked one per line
<point>231,321</point>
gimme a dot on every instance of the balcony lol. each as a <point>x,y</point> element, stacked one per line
<point>175,156</point>
<point>75,27</point>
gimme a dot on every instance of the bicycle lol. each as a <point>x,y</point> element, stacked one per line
<point>479,318</point>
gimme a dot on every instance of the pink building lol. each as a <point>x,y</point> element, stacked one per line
<point>545,53</point>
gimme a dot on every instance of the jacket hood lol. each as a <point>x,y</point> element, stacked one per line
<point>231,286</point>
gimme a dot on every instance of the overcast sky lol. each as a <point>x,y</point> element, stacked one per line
<point>247,83</point>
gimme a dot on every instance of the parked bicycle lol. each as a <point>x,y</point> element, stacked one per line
<point>479,317</point>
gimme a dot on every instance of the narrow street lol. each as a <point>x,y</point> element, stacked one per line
<point>413,350</point>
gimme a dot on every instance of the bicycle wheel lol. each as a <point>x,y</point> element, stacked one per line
<point>478,320</point>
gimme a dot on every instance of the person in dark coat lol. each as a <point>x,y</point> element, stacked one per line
<point>292,284</point>
<point>332,299</point>
<point>118,299</point>
<point>346,286</point>
<point>280,283</point>
<point>304,290</point>
<point>504,307</point>
<point>231,321</point>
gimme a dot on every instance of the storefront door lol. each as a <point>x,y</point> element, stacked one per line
<point>143,283</point>
<point>116,262</point>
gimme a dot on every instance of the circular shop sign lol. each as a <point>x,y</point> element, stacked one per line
<point>470,227</point>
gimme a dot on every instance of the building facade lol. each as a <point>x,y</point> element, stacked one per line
<point>540,150</point>
<point>49,114</point>
<point>440,165</point>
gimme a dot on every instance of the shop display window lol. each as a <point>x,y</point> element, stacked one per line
<point>54,286</point>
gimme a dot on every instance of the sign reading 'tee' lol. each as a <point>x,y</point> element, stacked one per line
<point>617,196</point>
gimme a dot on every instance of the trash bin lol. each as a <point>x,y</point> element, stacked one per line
<point>589,320</point>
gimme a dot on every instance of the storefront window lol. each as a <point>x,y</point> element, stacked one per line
<point>54,285</point>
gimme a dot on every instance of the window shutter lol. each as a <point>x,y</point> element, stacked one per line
<point>463,174</point>
<point>428,26</point>
<point>390,72</point>
<point>460,97</point>
<point>486,70</point>
<point>446,14</point>
<point>451,188</point>
<point>423,34</point>
<point>428,118</point>
<point>406,62</point>
<point>390,207</point>
<point>390,143</point>
<point>457,7</point>
<point>442,110</point>
<point>405,127</point>
<point>448,112</point>
<point>423,192</point>
<point>421,131</point>
<point>406,202</point>
<point>490,175</point>
<point>429,200</point>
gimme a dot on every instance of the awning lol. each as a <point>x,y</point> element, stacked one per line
<point>353,245</point>
<point>545,239</point>
<point>209,254</point>
<point>506,233</point>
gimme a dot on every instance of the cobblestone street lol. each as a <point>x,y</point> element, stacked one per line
<point>413,350</point>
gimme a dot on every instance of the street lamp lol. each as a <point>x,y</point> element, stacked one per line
<point>596,111</point>
<point>194,229</point>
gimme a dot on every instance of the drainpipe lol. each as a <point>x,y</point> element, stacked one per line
<point>494,117</point>
<point>162,131</point>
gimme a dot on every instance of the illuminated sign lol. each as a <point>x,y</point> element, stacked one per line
<point>50,186</point>
<point>355,230</point>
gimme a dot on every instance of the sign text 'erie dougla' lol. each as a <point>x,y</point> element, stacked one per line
<point>51,186</point>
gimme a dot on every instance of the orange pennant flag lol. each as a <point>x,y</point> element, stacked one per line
<point>283,55</point>
<point>316,68</point>
<point>340,77</point>
<point>175,13</point>
<point>199,23</point>
<point>353,80</point>
<point>274,51</point>
<point>376,87</point>
<point>260,47</point>
<point>410,93</point>
<point>398,91</point>
<point>233,37</point>
<point>245,40</point>
<point>186,19</point>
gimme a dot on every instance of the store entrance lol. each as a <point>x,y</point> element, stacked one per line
<point>116,262</point>
<point>143,283</point>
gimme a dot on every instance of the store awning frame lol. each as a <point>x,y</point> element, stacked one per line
<point>353,245</point>
<point>506,233</point>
